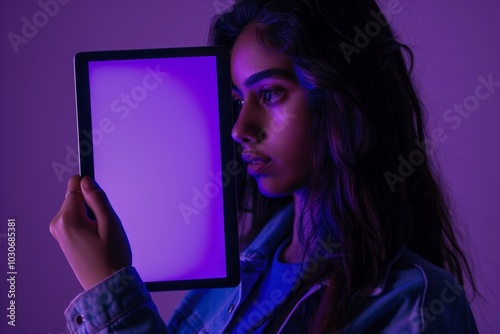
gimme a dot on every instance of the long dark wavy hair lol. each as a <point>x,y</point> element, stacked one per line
<point>367,118</point>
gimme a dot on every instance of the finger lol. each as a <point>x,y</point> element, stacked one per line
<point>71,209</point>
<point>73,200</point>
<point>74,183</point>
<point>97,200</point>
<point>73,186</point>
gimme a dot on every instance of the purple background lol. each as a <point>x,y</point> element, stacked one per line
<point>455,43</point>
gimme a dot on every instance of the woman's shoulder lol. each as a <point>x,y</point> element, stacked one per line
<point>408,267</point>
<point>417,296</point>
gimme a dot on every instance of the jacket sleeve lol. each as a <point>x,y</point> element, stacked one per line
<point>119,304</point>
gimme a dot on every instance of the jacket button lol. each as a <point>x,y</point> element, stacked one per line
<point>79,319</point>
<point>230,309</point>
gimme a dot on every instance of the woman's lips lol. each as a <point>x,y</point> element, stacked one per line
<point>256,168</point>
<point>256,163</point>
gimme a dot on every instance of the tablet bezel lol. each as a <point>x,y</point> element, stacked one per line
<point>227,146</point>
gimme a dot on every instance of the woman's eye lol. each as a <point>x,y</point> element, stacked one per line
<point>237,105</point>
<point>271,96</point>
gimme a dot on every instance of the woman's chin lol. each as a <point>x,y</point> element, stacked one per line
<point>270,189</point>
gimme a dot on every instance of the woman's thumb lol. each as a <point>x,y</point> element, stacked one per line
<point>96,200</point>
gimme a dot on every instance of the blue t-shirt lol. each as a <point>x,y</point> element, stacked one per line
<point>272,289</point>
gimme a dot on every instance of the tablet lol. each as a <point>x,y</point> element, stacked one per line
<point>154,130</point>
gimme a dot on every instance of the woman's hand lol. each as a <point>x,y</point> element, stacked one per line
<point>94,249</point>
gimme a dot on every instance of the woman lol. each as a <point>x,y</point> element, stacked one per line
<point>344,227</point>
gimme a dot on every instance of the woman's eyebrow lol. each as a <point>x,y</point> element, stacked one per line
<point>270,73</point>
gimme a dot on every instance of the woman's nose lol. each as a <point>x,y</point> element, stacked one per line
<point>248,127</point>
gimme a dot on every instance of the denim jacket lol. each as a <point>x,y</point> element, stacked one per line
<point>415,297</point>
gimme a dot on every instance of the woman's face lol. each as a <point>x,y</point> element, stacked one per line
<point>273,122</point>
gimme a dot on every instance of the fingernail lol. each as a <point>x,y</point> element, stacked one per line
<point>89,183</point>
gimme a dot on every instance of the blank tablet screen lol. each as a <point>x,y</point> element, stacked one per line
<point>154,131</point>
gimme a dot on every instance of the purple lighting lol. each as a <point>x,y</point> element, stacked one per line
<point>156,150</point>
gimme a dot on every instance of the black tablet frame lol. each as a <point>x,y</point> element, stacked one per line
<point>227,145</point>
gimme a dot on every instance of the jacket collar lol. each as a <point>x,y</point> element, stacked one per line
<point>262,248</point>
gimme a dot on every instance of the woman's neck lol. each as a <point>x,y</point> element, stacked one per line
<point>295,251</point>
